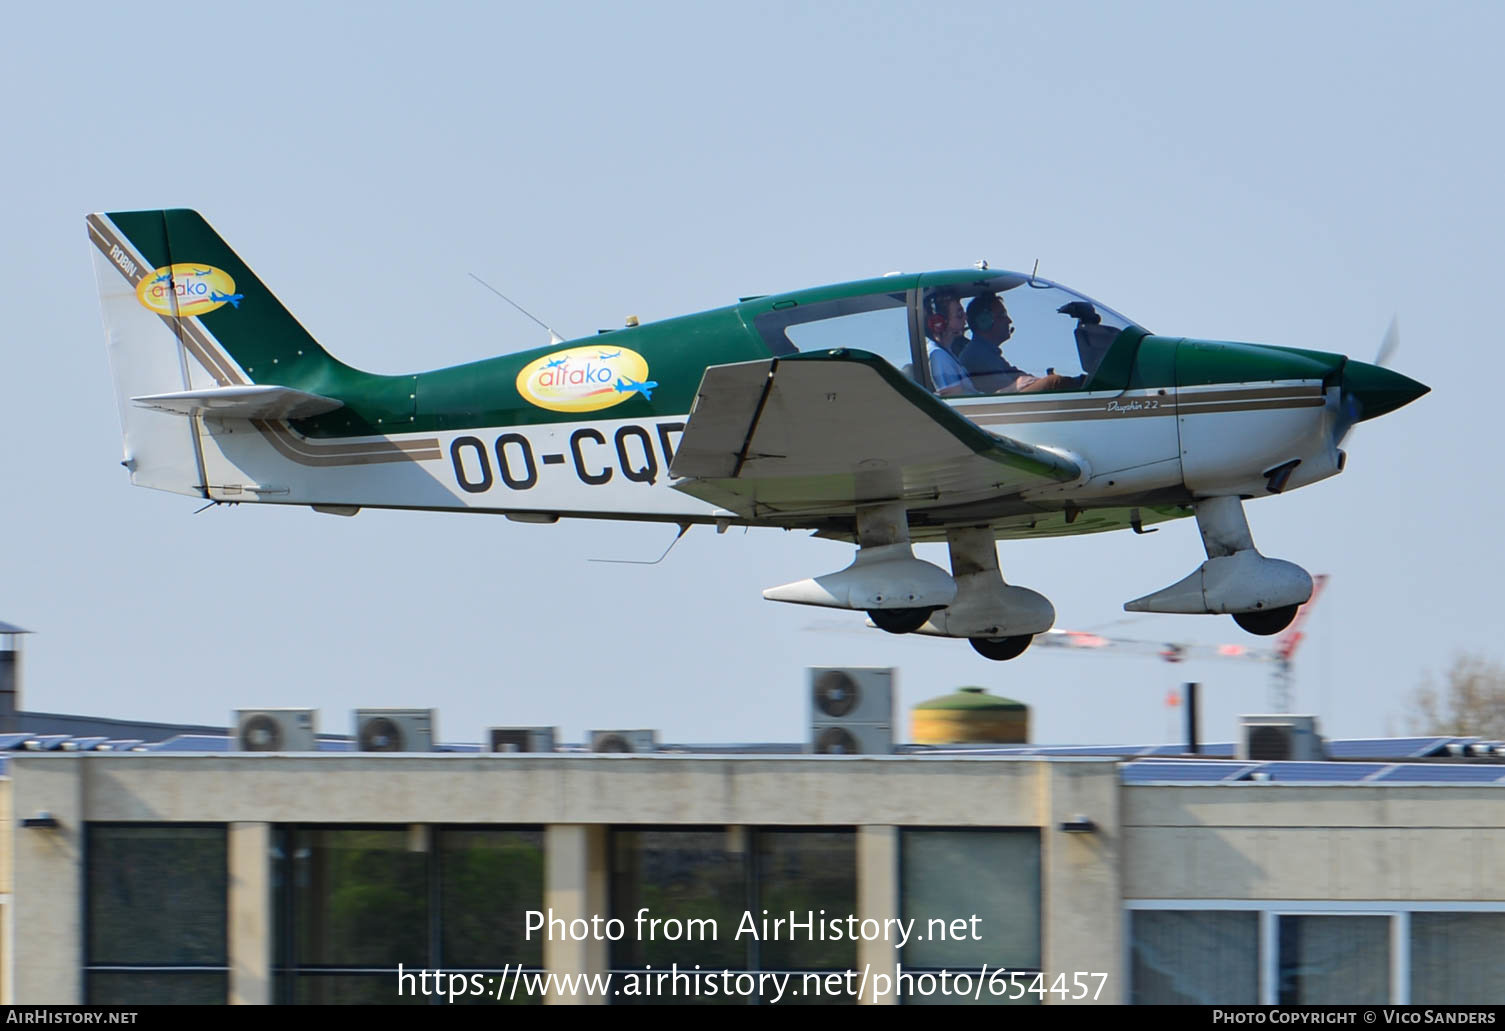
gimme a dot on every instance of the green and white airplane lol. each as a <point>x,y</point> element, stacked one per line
<point>863,411</point>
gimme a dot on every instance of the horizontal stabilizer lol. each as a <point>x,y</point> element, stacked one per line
<point>242,402</point>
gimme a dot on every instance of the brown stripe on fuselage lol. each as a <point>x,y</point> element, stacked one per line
<point>187,332</point>
<point>1256,405</point>
<point>1146,405</point>
<point>304,452</point>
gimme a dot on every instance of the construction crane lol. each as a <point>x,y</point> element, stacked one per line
<point>1280,653</point>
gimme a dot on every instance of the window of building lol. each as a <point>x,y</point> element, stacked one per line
<point>1330,960</point>
<point>1458,958</point>
<point>1203,958</point>
<point>355,905</point>
<point>157,911</point>
<point>974,897</point>
<point>708,889</point>
<point>1316,952</point>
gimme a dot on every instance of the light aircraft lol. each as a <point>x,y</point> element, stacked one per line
<point>815,409</point>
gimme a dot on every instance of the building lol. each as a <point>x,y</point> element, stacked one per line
<point>1120,875</point>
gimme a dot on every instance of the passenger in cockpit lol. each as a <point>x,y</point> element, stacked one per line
<point>983,357</point>
<point>945,326</point>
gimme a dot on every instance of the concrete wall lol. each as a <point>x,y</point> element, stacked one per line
<point>7,899</point>
<point>553,788</point>
<point>1283,841</point>
<point>1241,841</point>
<point>46,964</point>
<point>576,797</point>
<point>1081,913</point>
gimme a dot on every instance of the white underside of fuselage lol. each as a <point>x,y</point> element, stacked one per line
<point>1207,441</point>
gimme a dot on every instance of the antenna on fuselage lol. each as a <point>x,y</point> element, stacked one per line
<point>684,528</point>
<point>554,338</point>
<point>1033,271</point>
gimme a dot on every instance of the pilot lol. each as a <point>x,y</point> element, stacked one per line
<point>945,326</point>
<point>983,357</point>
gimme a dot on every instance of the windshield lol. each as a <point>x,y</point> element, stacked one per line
<point>960,335</point>
<point>1007,334</point>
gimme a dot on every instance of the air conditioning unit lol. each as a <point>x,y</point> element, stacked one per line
<point>1278,738</point>
<point>275,730</point>
<point>638,741</point>
<point>395,730</point>
<point>522,739</point>
<point>851,711</point>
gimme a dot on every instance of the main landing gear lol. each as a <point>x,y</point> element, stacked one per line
<point>1001,649</point>
<point>899,621</point>
<point>903,594</point>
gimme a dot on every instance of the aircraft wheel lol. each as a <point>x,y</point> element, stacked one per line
<point>1001,649</point>
<point>898,621</point>
<point>1267,622</point>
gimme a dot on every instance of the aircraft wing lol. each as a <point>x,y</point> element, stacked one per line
<point>824,431</point>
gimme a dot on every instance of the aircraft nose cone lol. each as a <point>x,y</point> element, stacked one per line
<point>1377,389</point>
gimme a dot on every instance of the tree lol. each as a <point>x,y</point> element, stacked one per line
<point>1469,703</point>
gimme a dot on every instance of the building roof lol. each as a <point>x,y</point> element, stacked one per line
<point>1367,761</point>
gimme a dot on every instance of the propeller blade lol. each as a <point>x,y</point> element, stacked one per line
<point>1389,344</point>
<point>1371,390</point>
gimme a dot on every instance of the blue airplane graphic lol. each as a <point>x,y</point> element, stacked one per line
<point>626,385</point>
<point>603,355</point>
<point>232,299</point>
<point>164,277</point>
<point>556,363</point>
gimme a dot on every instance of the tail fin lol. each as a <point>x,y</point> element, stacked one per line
<point>187,319</point>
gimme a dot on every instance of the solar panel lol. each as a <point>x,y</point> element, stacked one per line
<point>1442,773</point>
<point>1215,750</point>
<point>952,753</point>
<point>44,742</point>
<point>334,746</point>
<point>1128,750</point>
<point>12,740</point>
<point>83,744</point>
<point>192,743</point>
<point>1342,773</point>
<point>1209,771</point>
<point>123,744</point>
<point>1387,747</point>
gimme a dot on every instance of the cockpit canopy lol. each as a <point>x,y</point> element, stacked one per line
<point>962,335</point>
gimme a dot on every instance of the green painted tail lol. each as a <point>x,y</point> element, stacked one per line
<point>210,282</point>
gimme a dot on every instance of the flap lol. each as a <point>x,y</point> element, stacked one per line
<point>242,402</point>
<point>826,430</point>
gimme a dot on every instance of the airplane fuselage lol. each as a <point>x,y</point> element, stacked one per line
<point>964,406</point>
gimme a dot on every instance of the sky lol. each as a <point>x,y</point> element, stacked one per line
<point>1292,174</point>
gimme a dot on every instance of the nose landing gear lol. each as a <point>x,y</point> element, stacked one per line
<point>1261,594</point>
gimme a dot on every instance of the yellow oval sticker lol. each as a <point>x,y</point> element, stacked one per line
<point>187,288</point>
<point>585,379</point>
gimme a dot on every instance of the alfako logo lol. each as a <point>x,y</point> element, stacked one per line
<point>585,379</point>
<point>187,288</point>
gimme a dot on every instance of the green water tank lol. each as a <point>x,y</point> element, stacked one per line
<point>970,715</point>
